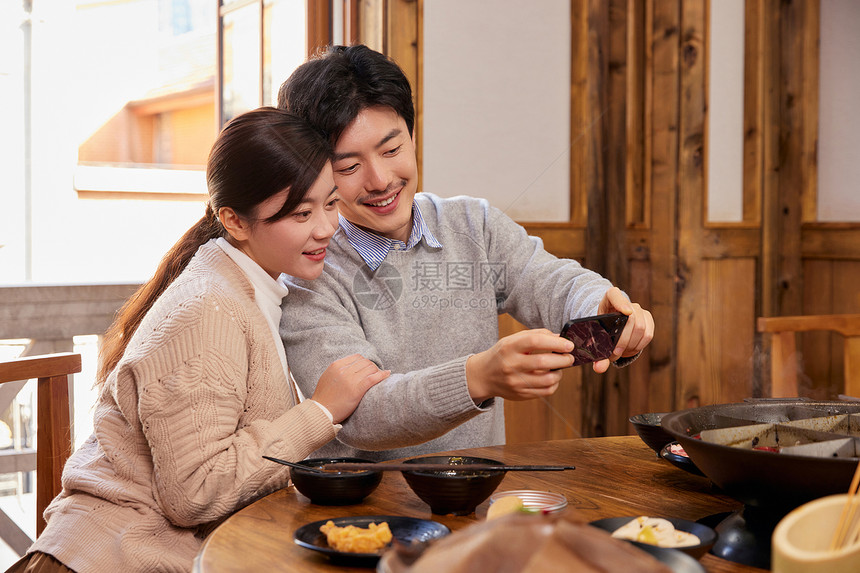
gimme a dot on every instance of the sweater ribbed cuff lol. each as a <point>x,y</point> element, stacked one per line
<point>304,428</point>
<point>626,361</point>
<point>450,392</point>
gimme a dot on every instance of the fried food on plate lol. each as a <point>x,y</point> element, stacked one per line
<point>354,539</point>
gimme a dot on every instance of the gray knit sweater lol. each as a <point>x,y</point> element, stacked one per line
<point>421,314</point>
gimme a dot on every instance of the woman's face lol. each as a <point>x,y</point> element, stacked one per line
<point>295,244</point>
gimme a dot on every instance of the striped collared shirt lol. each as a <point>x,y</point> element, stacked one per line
<point>374,248</point>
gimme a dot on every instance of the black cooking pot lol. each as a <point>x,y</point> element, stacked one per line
<point>763,478</point>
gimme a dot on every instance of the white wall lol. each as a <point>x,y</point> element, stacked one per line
<point>497,104</point>
<point>839,112</point>
<point>725,162</point>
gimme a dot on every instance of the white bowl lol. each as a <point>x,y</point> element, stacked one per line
<point>801,540</point>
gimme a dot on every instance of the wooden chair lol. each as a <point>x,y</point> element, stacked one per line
<point>783,359</point>
<point>54,433</point>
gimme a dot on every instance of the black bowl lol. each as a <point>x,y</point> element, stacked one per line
<point>456,492</point>
<point>678,460</point>
<point>706,535</point>
<point>651,431</point>
<point>334,488</point>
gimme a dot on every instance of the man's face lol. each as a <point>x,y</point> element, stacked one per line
<point>376,173</point>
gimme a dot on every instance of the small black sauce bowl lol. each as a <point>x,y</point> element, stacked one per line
<point>679,461</point>
<point>706,535</point>
<point>649,429</point>
<point>454,492</point>
<point>334,488</point>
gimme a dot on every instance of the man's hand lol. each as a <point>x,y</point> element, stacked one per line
<point>521,366</point>
<point>637,333</point>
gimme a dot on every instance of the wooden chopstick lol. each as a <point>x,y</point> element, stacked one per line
<point>854,536</point>
<point>845,518</point>
<point>341,466</point>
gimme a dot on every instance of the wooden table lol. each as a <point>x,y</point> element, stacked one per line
<point>614,476</point>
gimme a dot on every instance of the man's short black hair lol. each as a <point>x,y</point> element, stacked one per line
<point>333,87</point>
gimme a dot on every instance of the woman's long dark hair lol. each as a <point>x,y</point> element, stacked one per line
<point>257,155</point>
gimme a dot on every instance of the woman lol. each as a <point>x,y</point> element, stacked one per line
<point>194,385</point>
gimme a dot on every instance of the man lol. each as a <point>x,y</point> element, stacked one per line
<point>416,283</point>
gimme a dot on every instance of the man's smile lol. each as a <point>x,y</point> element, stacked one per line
<point>384,202</point>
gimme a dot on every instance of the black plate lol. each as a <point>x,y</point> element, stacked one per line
<point>404,529</point>
<point>678,461</point>
<point>706,535</point>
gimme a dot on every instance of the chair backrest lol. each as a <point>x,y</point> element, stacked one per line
<point>783,360</point>
<point>54,433</point>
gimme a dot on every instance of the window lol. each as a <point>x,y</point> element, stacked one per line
<point>261,43</point>
<point>112,108</point>
<point>152,101</point>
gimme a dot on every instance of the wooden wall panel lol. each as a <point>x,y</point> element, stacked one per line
<point>564,409</point>
<point>371,18</point>
<point>613,251</point>
<point>402,27</point>
<point>593,50</point>
<point>754,61</point>
<point>816,374</point>
<point>731,334</point>
<point>831,241</point>
<point>792,168</point>
<point>641,396</point>
<point>404,44</point>
<point>770,158</point>
<point>809,44</point>
<point>718,359</point>
<point>582,114</point>
<point>318,26</point>
<point>638,97</point>
<point>845,297</point>
<point>694,364</point>
<point>663,76</point>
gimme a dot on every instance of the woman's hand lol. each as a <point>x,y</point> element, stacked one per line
<point>344,383</point>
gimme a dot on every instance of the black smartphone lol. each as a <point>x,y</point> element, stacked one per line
<point>594,337</point>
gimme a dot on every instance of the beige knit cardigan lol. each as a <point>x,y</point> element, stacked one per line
<point>180,427</point>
